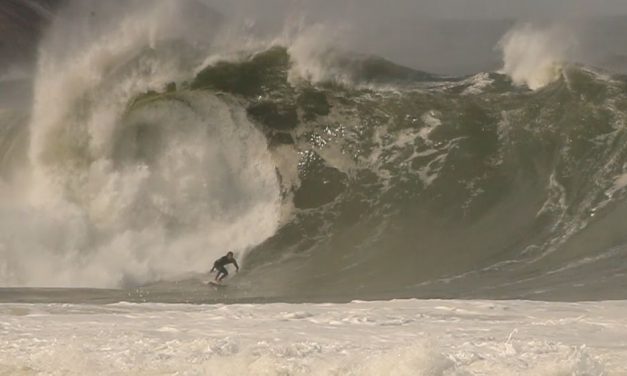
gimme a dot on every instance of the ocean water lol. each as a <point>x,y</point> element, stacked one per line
<point>395,337</point>
<point>387,220</point>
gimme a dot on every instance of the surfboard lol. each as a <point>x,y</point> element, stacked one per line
<point>216,284</point>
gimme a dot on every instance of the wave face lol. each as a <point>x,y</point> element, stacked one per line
<point>470,187</point>
<point>331,175</point>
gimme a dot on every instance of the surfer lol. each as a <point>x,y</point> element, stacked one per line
<point>220,264</point>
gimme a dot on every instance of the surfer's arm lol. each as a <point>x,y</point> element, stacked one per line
<point>236,266</point>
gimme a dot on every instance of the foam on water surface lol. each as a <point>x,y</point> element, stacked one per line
<point>402,337</point>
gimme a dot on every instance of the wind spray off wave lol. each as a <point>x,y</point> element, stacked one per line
<point>534,56</point>
<point>124,192</point>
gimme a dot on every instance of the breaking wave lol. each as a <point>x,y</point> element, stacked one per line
<point>122,191</point>
<point>149,151</point>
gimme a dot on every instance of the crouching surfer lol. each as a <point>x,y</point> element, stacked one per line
<point>219,266</point>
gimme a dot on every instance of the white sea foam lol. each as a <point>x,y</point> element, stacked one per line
<point>477,83</point>
<point>405,337</point>
<point>534,56</point>
<point>620,182</point>
<point>312,50</point>
<point>122,194</point>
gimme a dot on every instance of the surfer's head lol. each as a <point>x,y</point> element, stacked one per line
<point>230,255</point>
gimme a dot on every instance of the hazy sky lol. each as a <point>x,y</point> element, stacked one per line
<point>444,36</point>
<point>435,8</point>
<point>440,36</point>
<point>500,8</point>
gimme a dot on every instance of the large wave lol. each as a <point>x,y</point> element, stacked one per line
<point>159,139</point>
<point>465,187</point>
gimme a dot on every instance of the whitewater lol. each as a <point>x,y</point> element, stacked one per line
<point>396,337</point>
<point>388,221</point>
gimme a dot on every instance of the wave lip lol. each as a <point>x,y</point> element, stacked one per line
<point>535,56</point>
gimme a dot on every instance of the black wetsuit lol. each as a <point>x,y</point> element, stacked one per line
<point>219,266</point>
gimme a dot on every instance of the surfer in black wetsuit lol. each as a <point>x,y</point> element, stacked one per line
<point>220,263</point>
